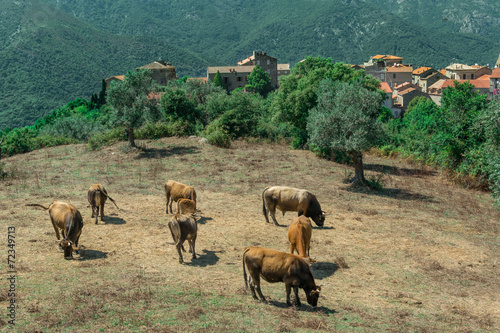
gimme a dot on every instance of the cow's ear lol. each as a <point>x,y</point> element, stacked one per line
<point>318,288</point>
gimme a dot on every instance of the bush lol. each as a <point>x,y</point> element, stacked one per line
<point>107,138</point>
<point>217,135</point>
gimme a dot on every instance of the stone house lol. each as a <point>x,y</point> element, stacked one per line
<point>377,65</point>
<point>466,72</point>
<point>233,76</point>
<point>161,71</point>
<point>405,92</point>
<point>236,76</point>
<point>425,77</point>
<point>398,74</point>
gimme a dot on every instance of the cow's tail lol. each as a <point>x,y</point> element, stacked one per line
<point>38,205</point>
<point>264,208</point>
<point>107,196</point>
<point>244,269</point>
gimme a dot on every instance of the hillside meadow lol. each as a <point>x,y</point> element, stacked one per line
<point>418,255</point>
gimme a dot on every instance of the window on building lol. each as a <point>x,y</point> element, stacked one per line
<point>239,78</point>
<point>464,76</point>
<point>268,62</point>
<point>393,76</point>
<point>268,72</point>
<point>225,80</point>
<point>472,76</point>
<point>258,62</point>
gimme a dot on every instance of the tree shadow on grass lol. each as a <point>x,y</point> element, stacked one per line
<point>323,269</point>
<point>393,193</point>
<point>395,171</point>
<point>208,258</point>
<point>166,152</point>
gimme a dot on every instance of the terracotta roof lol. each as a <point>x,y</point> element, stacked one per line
<point>385,87</point>
<point>495,74</point>
<point>407,91</point>
<point>118,77</point>
<point>437,85</point>
<point>156,96</point>
<point>203,79</point>
<point>283,67</point>
<point>420,70</point>
<point>391,57</point>
<point>443,71</point>
<point>230,69</point>
<point>456,67</point>
<point>476,83</point>
<point>156,65</point>
<point>246,61</point>
<point>378,56</point>
<point>400,68</point>
<point>484,77</point>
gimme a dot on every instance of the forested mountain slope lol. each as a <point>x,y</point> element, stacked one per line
<point>49,58</point>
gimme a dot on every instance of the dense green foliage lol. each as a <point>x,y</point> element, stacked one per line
<point>259,82</point>
<point>345,119</point>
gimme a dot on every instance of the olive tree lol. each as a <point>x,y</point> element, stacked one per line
<point>345,119</point>
<point>129,101</point>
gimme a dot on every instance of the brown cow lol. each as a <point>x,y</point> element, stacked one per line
<point>97,197</point>
<point>186,207</point>
<point>182,228</point>
<point>276,266</point>
<point>291,199</point>
<point>299,235</point>
<point>175,191</point>
<point>66,217</point>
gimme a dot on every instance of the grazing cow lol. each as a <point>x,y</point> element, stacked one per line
<point>175,191</point>
<point>182,228</point>
<point>66,217</point>
<point>299,235</point>
<point>291,199</point>
<point>186,207</point>
<point>276,266</point>
<point>97,197</point>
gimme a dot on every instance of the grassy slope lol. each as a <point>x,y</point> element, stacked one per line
<point>52,58</point>
<point>422,254</point>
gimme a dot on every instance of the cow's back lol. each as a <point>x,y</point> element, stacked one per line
<point>273,265</point>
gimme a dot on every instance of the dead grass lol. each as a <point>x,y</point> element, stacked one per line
<point>420,254</point>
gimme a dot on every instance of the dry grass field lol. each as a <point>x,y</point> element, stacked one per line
<point>419,255</point>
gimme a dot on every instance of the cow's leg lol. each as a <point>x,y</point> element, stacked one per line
<point>296,292</point>
<point>96,213</point>
<point>192,246</point>
<point>288,287</point>
<point>178,246</point>
<point>272,212</point>
<point>56,230</point>
<point>168,200</point>
<point>257,287</point>
<point>252,288</point>
<point>292,248</point>
<point>102,211</point>
<point>93,210</point>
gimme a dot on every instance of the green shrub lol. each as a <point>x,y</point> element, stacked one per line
<point>217,135</point>
<point>106,138</point>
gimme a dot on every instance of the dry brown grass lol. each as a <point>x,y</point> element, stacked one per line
<point>420,255</point>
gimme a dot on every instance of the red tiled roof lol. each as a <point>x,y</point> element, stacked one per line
<point>230,69</point>
<point>484,77</point>
<point>476,83</point>
<point>378,56</point>
<point>420,70</point>
<point>400,68</point>
<point>385,87</point>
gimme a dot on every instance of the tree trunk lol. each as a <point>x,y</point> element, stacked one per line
<point>357,160</point>
<point>130,136</point>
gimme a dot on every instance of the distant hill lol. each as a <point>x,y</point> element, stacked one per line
<point>58,50</point>
<point>50,58</point>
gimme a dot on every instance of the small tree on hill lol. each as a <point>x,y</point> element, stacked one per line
<point>345,119</point>
<point>129,101</point>
<point>259,82</point>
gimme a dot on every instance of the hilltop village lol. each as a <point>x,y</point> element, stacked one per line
<point>401,82</point>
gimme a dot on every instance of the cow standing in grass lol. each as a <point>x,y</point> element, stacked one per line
<point>291,199</point>
<point>275,266</point>
<point>175,191</point>
<point>97,197</point>
<point>299,235</point>
<point>182,228</point>
<point>67,218</point>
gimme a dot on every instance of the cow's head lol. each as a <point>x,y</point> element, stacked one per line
<point>67,246</point>
<point>313,296</point>
<point>319,219</point>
